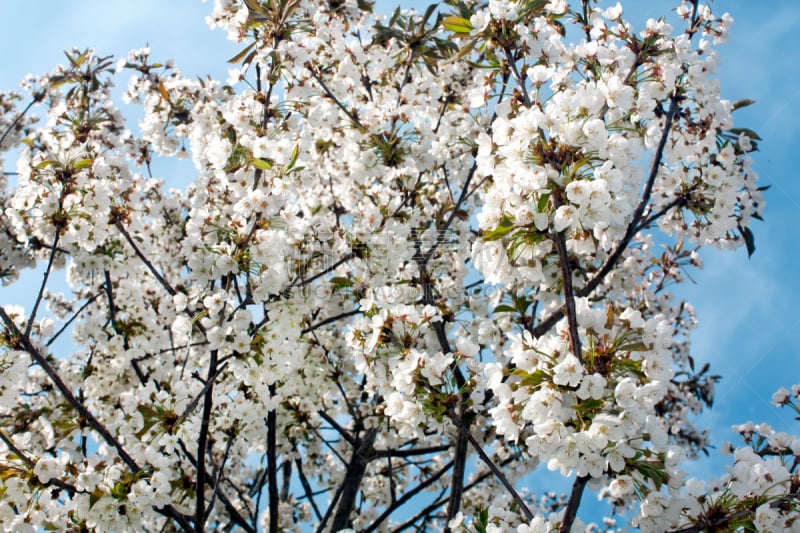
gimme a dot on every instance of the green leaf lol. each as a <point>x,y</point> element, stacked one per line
<point>542,203</point>
<point>749,240</point>
<point>293,158</point>
<point>457,24</point>
<point>163,91</point>
<point>44,164</point>
<point>633,347</point>
<point>260,163</point>
<point>83,163</point>
<point>750,133</point>
<point>464,51</point>
<point>255,7</point>
<point>503,228</point>
<point>341,283</point>
<point>504,308</point>
<point>78,60</point>
<point>744,102</point>
<point>241,55</point>
<point>428,13</point>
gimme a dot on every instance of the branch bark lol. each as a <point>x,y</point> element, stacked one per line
<point>24,343</point>
<point>573,503</point>
<point>352,479</point>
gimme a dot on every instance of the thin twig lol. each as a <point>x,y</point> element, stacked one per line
<point>379,454</point>
<point>234,513</point>
<point>43,286</point>
<point>72,319</point>
<point>24,343</point>
<point>339,429</point>
<point>307,487</point>
<point>209,382</point>
<point>144,259</point>
<point>512,63</point>
<point>221,469</point>
<point>333,97</point>
<point>497,472</point>
<point>407,496</point>
<point>37,97</point>
<point>443,500</point>
<point>330,320</point>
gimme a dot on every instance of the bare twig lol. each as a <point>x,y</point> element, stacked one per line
<point>339,429</point>
<point>43,286</point>
<point>37,97</point>
<point>72,319</point>
<point>144,259</point>
<point>333,97</point>
<point>307,487</point>
<point>221,469</point>
<point>407,496</point>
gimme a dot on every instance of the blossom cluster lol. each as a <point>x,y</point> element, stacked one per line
<point>421,256</point>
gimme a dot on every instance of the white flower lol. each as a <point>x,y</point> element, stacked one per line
<point>625,393</point>
<point>568,372</point>
<point>592,386</point>
<point>621,486</point>
<point>766,518</point>
<point>457,520</point>
<point>557,7</point>
<point>614,12</point>
<point>48,468</point>
<point>503,10</point>
<point>466,347</point>
<point>563,218</point>
<point>596,133</point>
<point>654,504</point>
<point>780,396</point>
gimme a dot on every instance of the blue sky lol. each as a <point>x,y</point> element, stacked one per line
<point>749,323</point>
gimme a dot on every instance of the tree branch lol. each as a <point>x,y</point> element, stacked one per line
<point>43,286</point>
<point>342,431</point>
<point>307,487</point>
<point>72,319</point>
<point>457,480</point>
<point>569,295</point>
<point>407,496</point>
<point>544,326</point>
<point>496,471</point>
<point>23,342</point>
<point>272,465</point>
<point>330,320</point>
<point>202,444</point>
<point>141,256</point>
<point>573,503</point>
<point>352,479</point>
<point>37,97</point>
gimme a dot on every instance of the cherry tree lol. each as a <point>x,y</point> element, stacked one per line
<point>424,256</point>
